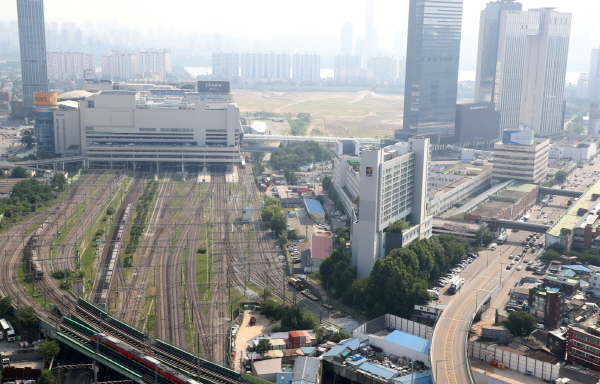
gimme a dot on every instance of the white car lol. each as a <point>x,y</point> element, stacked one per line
<point>519,268</point>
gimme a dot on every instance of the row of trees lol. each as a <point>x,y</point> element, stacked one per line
<point>295,154</point>
<point>554,251</point>
<point>396,282</point>
<point>328,187</point>
<point>139,223</point>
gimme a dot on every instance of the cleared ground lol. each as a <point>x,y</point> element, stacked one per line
<point>352,114</point>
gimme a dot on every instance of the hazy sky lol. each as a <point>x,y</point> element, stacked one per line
<point>264,19</point>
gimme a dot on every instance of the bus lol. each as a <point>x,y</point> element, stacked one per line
<point>8,329</point>
<point>502,238</point>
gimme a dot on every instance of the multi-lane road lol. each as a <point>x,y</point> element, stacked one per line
<point>448,352</point>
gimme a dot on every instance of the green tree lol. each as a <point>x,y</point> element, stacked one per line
<point>484,235</point>
<point>49,348</point>
<point>267,292</point>
<point>560,177</point>
<point>2,173</point>
<point>339,336</point>
<point>27,317</point>
<point>291,318</point>
<point>28,140</point>
<point>549,255</point>
<point>398,226</point>
<point>5,306</point>
<point>263,346</point>
<point>520,323</point>
<point>19,173</point>
<point>290,176</point>
<point>47,377</point>
<point>59,180</point>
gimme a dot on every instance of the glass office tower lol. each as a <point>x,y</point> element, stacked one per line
<point>432,54</point>
<point>32,42</point>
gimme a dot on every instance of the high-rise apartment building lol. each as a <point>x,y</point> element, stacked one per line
<point>393,186</point>
<point>384,69</point>
<point>347,69</point>
<point>594,76</point>
<point>266,66</point>
<point>521,65</point>
<point>32,41</point>
<point>69,65</point>
<point>432,54</point>
<point>306,67</point>
<point>155,64</point>
<point>152,64</point>
<point>120,65</point>
<point>226,65</point>
<point>346,40</point>
<point>582,86</point>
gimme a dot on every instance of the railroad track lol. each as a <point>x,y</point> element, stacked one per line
<point>130,303</point>
<point>170,316</point>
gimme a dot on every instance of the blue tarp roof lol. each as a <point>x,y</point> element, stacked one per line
<point>284,378</point>
<point>314,206</point>
<point>335,350</point>
<point>409,341</point>
<point>419,378</point>
<point>579,268</point>
<point>378,370</point>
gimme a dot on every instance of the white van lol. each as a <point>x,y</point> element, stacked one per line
<point>493,246</point>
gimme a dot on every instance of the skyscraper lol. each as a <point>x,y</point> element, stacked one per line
<point>487,53</point>
<point>346,39</point>
<point>433,50</point>
<point>32,41</point>
<point>522,66</point>
<point>370,33</point>
<point>594,76</point>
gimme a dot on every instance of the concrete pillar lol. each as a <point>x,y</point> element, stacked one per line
<point>182,167</point>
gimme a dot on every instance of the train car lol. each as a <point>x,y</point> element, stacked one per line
<point>147,361</point>
<point>38,271</point>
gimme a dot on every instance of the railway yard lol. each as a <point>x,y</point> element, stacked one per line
<point>162,255</point>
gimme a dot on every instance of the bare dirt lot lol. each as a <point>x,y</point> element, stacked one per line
<point>333,113</point>
<point>247,332</point>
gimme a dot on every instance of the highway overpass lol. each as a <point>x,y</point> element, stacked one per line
<point>318,139</point>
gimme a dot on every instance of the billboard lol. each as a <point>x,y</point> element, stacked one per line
<point>89,74</point>
<point>213,86</point>
<point>40,98</point>
<point>517,137</point>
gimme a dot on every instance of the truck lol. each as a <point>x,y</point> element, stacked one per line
<point>454,287</point>
<point>252,320</point>
<point>435,295</point>
<point>502,238</point>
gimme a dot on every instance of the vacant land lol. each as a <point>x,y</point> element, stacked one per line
<point>333,113</point>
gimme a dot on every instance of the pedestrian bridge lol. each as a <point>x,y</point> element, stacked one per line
<point>519,225</point>
<point>560,192</point>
